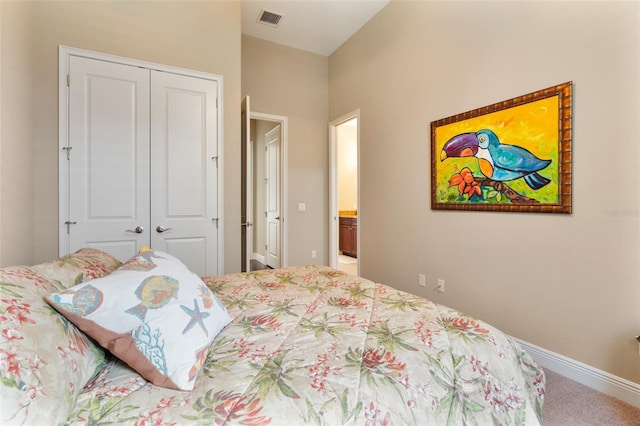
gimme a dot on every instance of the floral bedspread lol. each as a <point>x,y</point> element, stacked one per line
<point>311,345</point>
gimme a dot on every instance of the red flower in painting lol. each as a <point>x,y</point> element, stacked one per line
<point>466,183</point>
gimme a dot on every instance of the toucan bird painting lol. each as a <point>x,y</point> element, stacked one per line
<point>514,155</point>
<point>497,161</point>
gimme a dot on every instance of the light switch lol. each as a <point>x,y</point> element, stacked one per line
<point>302,207</point>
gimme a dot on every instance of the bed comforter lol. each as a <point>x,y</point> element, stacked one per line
<point>312,345</point>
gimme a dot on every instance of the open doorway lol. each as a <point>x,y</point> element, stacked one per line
<point>344,250</point>
<point>264,190</point>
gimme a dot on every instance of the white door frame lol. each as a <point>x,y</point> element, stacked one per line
<point>246,215</point>
<point>284,180</point>
<point>333,187</point>
<point>64,53</point>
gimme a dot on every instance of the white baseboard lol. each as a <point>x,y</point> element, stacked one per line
<point>258,257</point>
<point>599,380</point>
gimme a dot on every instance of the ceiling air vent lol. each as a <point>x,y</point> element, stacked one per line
<point>269,18</point>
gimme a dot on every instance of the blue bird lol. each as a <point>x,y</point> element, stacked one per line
<point>497,161</point>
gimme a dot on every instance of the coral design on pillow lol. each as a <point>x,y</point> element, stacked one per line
<point>151,345</point>
<point>154,293</point>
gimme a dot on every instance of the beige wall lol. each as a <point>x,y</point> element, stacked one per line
<point>293,83</point>
<point>203,36</point>
<point>16,137</point>
<point>568,283</point>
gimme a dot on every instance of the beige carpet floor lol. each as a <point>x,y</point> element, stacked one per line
<point>569,403</point>
<point>348,264</point>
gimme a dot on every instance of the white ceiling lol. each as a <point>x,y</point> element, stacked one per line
<point>318,26</point>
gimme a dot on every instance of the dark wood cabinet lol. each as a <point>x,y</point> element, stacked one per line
<point>348,240</point>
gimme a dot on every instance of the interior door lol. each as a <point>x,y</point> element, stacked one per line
<point>184,181</point>
<point>272,197</point>
<point>246,211</point>
<point>108,157</point>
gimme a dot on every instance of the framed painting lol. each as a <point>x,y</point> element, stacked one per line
<point>512,156</point>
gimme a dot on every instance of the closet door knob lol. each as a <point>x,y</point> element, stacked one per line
<point>138,230</point>
<point>160,229</point>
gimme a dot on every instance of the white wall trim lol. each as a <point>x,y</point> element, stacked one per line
<point>599,380</point>
<point>258,257</point>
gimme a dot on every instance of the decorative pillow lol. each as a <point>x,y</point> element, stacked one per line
<point>83,265</point>
<point>152,313</point>
<point>44,359</point>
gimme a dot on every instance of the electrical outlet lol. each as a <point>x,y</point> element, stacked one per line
<point>422,280</point>
<point>314,254</point>
<point>440,286</point>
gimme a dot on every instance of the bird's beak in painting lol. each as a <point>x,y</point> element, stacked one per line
<point>462,145</point>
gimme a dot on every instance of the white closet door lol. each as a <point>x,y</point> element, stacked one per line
<point>108,156</point>
<point>184,180</point>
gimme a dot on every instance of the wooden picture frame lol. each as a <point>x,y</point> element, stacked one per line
<point>512,156</point>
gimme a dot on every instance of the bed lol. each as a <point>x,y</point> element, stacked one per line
<point>313,345</point>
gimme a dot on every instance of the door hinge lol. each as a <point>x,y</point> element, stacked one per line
<point>68,149</point>
<point>216,160</point>
<point>215,219</point>
<point>68,80</point>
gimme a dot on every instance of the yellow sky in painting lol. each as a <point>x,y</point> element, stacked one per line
<point>533,126</point>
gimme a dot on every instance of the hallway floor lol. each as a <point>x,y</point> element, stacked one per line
<point>348,264</point>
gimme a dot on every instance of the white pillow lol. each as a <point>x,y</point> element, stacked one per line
<point>152,313</point>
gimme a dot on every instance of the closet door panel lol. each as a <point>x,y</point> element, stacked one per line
<point>183,169</point>
<point>186,146</point>
<point>108,156</point>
